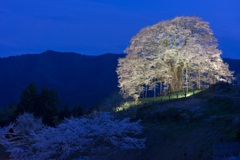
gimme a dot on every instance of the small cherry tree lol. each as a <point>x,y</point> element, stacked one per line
<point>85,137</point>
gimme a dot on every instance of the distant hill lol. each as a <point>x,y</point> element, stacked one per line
<point>234,64</point>
<point>78,79</point>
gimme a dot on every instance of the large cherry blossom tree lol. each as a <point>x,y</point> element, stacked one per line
<point>181,53</point>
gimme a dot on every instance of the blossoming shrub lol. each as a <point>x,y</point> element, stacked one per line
<point>75,138</point>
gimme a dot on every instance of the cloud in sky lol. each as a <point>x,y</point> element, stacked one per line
<point>100,26</point>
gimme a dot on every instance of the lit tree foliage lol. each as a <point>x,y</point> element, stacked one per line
<point>17,137</point>
<point>75,138</point>
<point>181,53</point>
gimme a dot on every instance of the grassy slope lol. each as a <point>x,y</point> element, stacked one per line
<point>188,128</point>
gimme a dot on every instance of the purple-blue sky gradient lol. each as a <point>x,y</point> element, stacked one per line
<point>105,26</point>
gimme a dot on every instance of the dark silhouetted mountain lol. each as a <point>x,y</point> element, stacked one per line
<point>78,79</point>
<point>234,65</point>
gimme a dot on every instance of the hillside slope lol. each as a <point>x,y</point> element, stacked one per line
<point>187,129</point>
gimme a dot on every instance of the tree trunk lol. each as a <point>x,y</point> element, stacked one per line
<point>143,92</point>
<point>160,88</point>
<point>177,74</point>
<point>186,76</point>
<point>154,89</point>
<point>146,90</point>
<point>199,79</point>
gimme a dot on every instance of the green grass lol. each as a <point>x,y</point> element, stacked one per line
<point>152,100</point>
<point>170,96</point>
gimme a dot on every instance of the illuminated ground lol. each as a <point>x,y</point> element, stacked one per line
<point>160,99</point>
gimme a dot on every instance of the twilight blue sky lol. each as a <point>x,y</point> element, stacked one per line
<point>105,26</point>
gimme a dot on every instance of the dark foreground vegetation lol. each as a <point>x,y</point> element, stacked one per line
<point>43,104</point>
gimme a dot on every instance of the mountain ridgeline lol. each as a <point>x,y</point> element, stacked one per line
<point>234,65</point>
<point>77,79</point>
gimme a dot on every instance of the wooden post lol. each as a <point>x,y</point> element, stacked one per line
<point>177,95</point>
<point>185,94</point>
